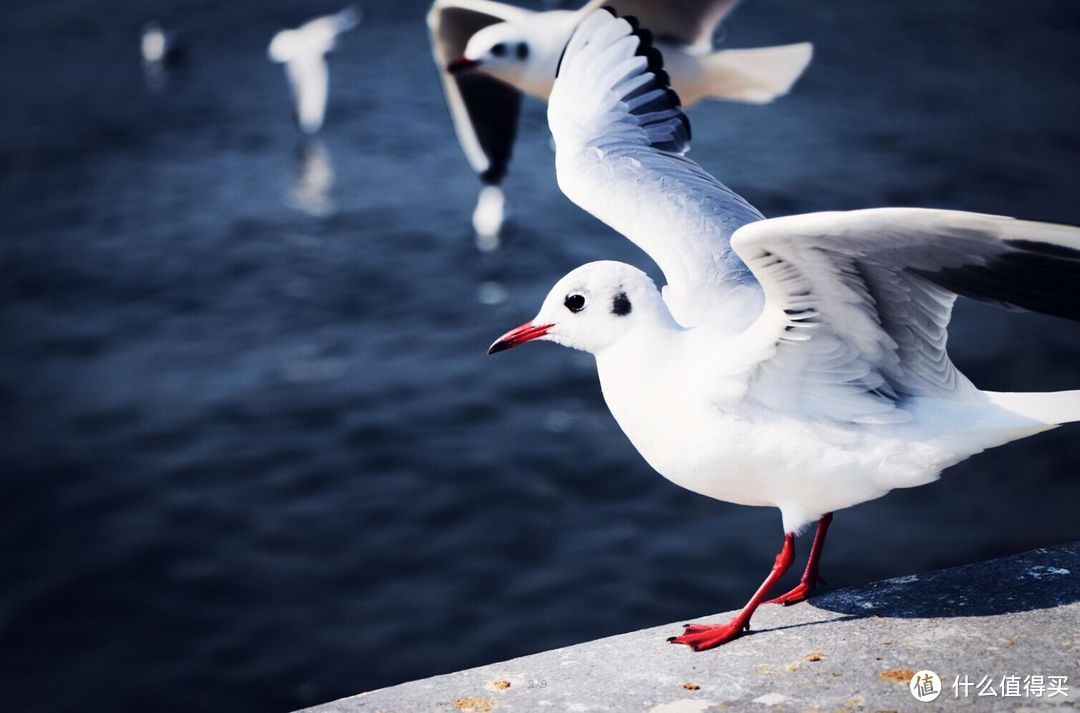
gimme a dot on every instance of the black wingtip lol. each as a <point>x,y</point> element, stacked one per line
<point>672,128</point>
<point>1036,276</point>
<point>680,139</point>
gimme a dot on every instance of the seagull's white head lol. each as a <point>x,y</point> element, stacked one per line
<point>590,309</point>
<point>501,50</point>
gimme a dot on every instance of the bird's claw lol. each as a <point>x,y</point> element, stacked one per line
<point>800,593</point>
<point>700,637</point>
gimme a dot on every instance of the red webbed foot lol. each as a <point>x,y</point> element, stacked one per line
<point>701,637</point>
<point>799,593</point>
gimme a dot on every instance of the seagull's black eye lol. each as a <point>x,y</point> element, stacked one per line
<point>498,49</point>
<point>575,303</point>
<point>522,51</point>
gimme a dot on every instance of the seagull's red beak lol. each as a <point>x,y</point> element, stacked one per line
<point>461,64</point>
<point>519,335</point>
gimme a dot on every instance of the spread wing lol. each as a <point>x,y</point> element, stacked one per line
<point>483,109</point>
<point>858,303</point>
<point>687,22</point>
<point>620,135</point>
<point>321,32</point>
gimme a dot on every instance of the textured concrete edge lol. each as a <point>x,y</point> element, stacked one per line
<point>1037,592</point>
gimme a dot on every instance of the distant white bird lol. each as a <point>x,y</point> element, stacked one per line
<point>490,53</point>
<point>797,362</point>
<point>159,47</point>
<point>303,52</point>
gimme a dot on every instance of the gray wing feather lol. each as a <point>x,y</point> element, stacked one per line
<point>620,136</point>
<point>858,303</point>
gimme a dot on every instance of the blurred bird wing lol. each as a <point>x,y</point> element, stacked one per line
<point>620,136</point>
<point>686,22</point>
<point>857,303</point>
<point>319,35</point>
<point>347,18</point>
<point>483,109</point>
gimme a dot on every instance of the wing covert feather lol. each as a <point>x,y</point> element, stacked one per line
<point>858,303</point>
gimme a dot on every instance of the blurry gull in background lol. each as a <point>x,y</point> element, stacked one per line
<point>797,362</point>
<point>313,180</point>
<point>161,50</point>
<point>303,52</point>
<point>491,53</point>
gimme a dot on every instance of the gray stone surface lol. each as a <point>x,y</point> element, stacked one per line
<point>852,649</point>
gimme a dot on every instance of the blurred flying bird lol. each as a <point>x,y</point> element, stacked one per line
<point>160,47</point>
<point>161,51</point>
<point>490,53</point>
<point>303,52</point>
<point>796,362</point>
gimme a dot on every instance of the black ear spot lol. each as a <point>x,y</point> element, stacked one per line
<point>621,305</point>
<point>523,51</point>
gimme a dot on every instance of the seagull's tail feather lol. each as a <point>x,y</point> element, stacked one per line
<point>754,76</point>
<point>1051,408</point>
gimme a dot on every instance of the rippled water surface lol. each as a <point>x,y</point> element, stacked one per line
<point>254,455</point>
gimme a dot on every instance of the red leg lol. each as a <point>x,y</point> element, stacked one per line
<point>810,577</point>
<point>706,636</point>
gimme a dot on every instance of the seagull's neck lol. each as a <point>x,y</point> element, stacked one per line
<point>731,305</point>
<point>647,345</point>
<point>637,376</point>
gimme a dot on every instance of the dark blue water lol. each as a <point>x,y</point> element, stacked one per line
<point>253,454</point>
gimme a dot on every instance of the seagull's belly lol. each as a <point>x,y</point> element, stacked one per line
<point>774,460</point>
<point>714,458</point>
<point>705,453</point>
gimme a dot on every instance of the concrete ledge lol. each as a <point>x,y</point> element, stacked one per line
<point>852,649</point>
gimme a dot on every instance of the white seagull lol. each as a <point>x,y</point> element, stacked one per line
<point>159,47</point>
<point>491,53</point>
<point>796,362</point>
<point>161,51</point>
<point>303,52</point>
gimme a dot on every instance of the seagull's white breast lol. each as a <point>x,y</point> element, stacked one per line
<point>687,419</point>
